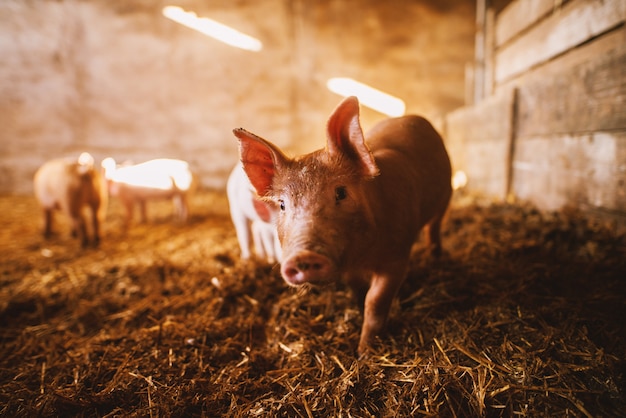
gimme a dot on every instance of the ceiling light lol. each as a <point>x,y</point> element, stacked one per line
<point>212,28</point>
<point>368,96</point>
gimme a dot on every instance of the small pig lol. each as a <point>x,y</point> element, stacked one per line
<point>354,209</point>
<point>155,179</point>
<point>252,217</point>
<point>71,186</point>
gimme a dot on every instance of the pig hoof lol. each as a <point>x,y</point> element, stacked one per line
<point>306,266</point>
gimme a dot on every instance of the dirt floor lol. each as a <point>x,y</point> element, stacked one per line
<point>522,316</point>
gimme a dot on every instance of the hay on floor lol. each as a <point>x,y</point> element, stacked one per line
<point>522,316</point>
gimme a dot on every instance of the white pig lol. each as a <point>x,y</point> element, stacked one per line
<point>253,218</point>
<point>152,180</point>
<point>354,209</point>
<point>70,186</point>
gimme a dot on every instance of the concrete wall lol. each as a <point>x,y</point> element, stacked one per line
<point>116,78</point>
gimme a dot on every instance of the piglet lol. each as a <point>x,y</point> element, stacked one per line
<point>252,217</point>
<point>353,210</point>
<point>71,186</point>
<point>152,180</point>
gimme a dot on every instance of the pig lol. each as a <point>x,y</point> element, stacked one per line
<point>161,178</point>
<point>72,186</point>
<point>252,217</point>
<point>352,210</point>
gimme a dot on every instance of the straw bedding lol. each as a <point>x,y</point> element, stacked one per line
<point>523,315</point>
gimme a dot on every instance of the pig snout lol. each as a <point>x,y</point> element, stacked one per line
<point>306,267</point>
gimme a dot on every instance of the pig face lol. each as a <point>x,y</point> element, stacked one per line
<point>320,196</point>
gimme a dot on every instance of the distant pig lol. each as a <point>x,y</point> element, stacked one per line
<point>252,217</point>
<point>354,209</point>
<point>152,180</point>
<point>71,186</point>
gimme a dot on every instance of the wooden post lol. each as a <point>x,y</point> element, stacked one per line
<point>479,51</point>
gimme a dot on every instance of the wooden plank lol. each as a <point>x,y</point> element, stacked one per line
<point>480,48</point>
<point>478,139</point>
<point>576,23</point>
<point>519,15</point>
<point>489,52</point>
<point>582,170</point>
<point>610,43</point>
<point>589,96</point>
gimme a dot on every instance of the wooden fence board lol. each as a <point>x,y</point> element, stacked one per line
<point>577,22</point>
<point>519,15</point>
<point>586,97</point>
<point>478,139</point>
<point>584,170</point>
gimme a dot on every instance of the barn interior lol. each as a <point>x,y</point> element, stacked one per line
<point>521,315</point>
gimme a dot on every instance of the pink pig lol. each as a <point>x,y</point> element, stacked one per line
<point>71,186</point>
<point>354,209</point>
<point>253,218</point>
<point>161,178</point>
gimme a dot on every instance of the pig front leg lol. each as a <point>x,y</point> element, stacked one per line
<point>383,289</point>
<point>129,207</point>
<point>259,242</point>
<point>181,208</point>
<point>80,229</point>
<point>359,284</point>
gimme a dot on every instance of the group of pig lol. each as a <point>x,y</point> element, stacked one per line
<point>73,186</point>
<point>350,211</point>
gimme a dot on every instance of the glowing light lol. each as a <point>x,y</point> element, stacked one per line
<point>85,159</point>
<point>459,180</point>
<point>163,174</point>
<point>214,29</point>
<point>368,96</point>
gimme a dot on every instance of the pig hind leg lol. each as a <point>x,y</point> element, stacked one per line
<point>142,211</point>
<point>434,235</point>
<point>128,206</point>
<point>47,222</point>
<point>242,228</point>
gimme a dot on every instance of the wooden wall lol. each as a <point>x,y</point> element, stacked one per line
<point>551,127</point>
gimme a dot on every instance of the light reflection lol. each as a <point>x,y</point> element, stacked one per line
<point>368,96</point>
<point>212,28</point>
<point>459,180</point>
<point>162,174</point>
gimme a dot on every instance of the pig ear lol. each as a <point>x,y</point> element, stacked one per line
<point>345,136</point>
<point>260,159</point>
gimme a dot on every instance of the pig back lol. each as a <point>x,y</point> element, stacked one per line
<point>415,168</point>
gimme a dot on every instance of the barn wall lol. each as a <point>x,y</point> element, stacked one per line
<point>118,79</point>
<point>566,132</point>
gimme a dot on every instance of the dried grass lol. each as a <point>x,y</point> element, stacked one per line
<point>522,316</point>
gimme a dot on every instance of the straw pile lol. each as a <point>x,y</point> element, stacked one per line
<point>522,316</point>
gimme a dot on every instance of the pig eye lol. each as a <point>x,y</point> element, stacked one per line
<point>340,193</point>
<point>281,204</point>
